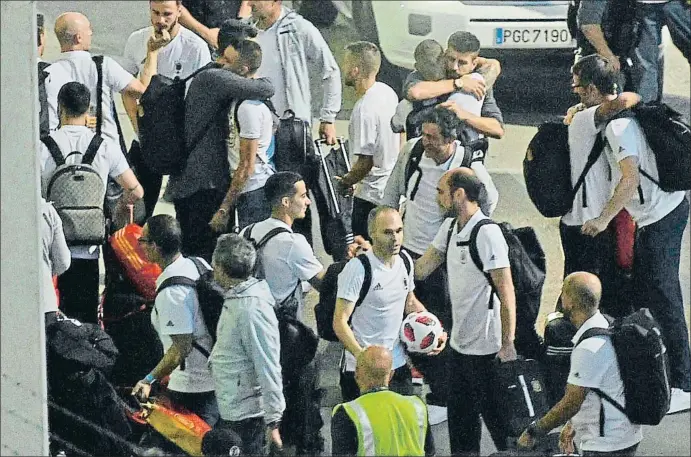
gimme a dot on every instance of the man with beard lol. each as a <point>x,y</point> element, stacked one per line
<point>423,217</point>
<point>182,53</point>
<point>373,143</point>
<point>461,59</point>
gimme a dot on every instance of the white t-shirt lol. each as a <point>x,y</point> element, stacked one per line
<point>78,66</point>
<point>594,365</point>
<point>476,329</point>
<point>582,136</point>
<point>185,53</point>
<point>109,162</point>
<point>254,122</point>
<point>271,66</point>
<point>371,135</point>
<point>176,312</point>
<point>377,320</point>
<point>423,215</point>
<point>288,257</point>
<point>626,139</point>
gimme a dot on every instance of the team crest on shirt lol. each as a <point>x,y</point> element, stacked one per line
<point>464,255</point>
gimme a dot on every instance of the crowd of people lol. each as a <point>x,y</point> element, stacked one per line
<point>420,187</point>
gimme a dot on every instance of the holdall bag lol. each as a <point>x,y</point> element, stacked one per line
<point>559,332</point>
<point>178,425</point>
<point>74,346</point>
<point>294,147</point>
<point>523,394</point>
<point>131,256</point>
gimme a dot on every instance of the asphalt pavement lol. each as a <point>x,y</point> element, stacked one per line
<point>528,92</point>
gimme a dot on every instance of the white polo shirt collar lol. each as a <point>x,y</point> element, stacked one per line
<point>597,320</point>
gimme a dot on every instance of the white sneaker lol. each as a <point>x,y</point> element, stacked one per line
<point>437,414</point>
<point>681,401</point>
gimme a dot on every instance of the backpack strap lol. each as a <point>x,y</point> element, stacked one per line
<point>593,156</point>
<point>272,233</point>
<point>475,256</point>
<point>412,166</point>
<point>407,261</point>
<point>98,60</point>
<point>449,234</point>
<point>367,281</point>
<point>92,150</point>
<point>54,150</point>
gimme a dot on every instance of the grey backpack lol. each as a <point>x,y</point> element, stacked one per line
<point>77,193</point>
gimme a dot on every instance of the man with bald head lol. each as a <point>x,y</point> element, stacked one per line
<point>374,316</point>
<point>593,366</point>
<point>76,63</point>
<point>483,312</point>
<point>380,422</point>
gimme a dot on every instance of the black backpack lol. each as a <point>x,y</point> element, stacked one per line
<point>209,294</point>
<point>527,262</point>
<point>559,332</point>
<point>161,122</point>
<point>643,365</point>
<point>669,137</point>
<point>295,149</point>
<point>620,27</point>
<point>43,116</point>
<point>325,309</point>
<point>547,170</point>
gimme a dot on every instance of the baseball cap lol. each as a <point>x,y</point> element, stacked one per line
<point>232,31</point>
<point>222,441</point>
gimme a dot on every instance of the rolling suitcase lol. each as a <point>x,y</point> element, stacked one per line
<point>522,393</point>
<point>335,210</point>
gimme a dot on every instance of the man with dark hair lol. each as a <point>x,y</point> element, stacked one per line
<point>198,191</point>
<point>246,356</point>
<point>79,284</point>
<point>461,60</point>
<point>373,143</point>
<point>660,217</point>
<point>178,53</point>
<point>177,319</point>
<point>250,143</point>
<point>479,334</point>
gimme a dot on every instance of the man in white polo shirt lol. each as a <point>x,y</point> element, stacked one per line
<point>484,324</point>
<point>374,145</point>
<point>377,319</point>
<point>593,366</point>
<point>183,54</point>
<point>661,218</point>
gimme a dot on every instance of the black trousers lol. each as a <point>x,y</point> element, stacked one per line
<point>433,292</point>
<point>401,383</point>
<point>194,214</point>
<point>252,431</point>
<point>361,210</point>
<point>150,180</point>
<point>596,255</point>
<point>472,393</point>
<point>78,288</point>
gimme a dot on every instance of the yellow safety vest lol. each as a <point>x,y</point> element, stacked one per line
<point>388,423</point>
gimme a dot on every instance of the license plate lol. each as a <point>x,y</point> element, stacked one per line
<point>540,36</point>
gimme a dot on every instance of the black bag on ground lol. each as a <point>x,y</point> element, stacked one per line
<point>547,170</point>
<point>74,346</point>
<point>669,137</point>
<point>209,294</point>
<point>325,309</point>
<point>89,396</point>
<point>559,332</point>
<point>522,393</point>
<point>643,364</point>
<point>161,122</point>
<point>294,147</point>
<point>527,261</point>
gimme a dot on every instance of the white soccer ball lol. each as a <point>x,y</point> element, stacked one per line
<point>420,332</point>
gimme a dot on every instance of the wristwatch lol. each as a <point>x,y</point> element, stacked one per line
<point>458,83</point>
